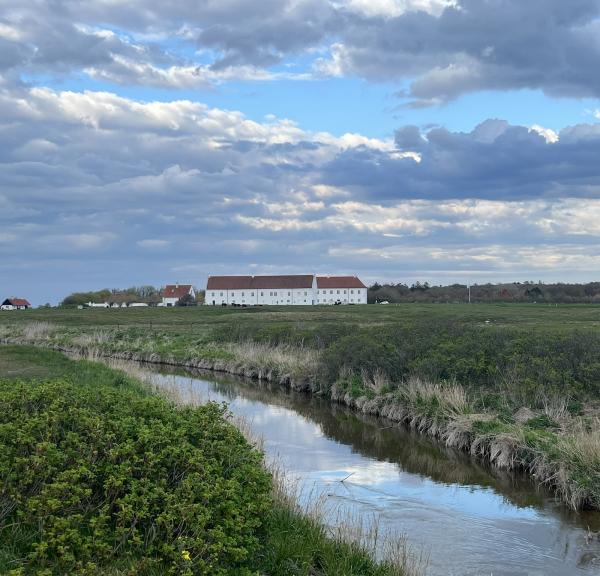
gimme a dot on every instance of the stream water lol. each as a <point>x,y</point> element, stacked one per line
<point>468,518</point>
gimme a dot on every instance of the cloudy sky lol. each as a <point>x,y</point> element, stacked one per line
<point>147,142</point>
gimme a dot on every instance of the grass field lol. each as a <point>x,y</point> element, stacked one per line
<point>526,316</point>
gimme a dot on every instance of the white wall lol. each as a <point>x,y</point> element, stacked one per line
<point>173,301</point>
<point>344,295</point>
<point>287,296</point>
<point>265,297</point>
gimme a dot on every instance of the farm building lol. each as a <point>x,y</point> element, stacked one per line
<point>173,293</point>
<point>15,304</point>
<point>292,290</point>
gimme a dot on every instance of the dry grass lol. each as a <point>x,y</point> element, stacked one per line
<point>92,339</point>
<point>376,381</point>
<point>556,409</point>
<point>503,450</point>
<point>576,476</point>
<point>285,359</point>
<point>36,331</point>
<point>451,398</point>
<point>587,443</point>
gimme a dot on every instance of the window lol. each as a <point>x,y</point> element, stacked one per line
<point>351,291</point>
<point>221,293</point>
<point>262,293</point>
<point>242,293</point>
<point>289,293</point>
<point>306,294</point>
<point>344,291</point>
<point>251,293</point>
<point>275,293</point>
<point>338,291</point>
<point>212,294</point>
<point>331,291</point>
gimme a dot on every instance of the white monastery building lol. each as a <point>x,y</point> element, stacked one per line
<point>292,290</point>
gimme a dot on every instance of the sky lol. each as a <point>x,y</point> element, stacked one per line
<point>148,142</point>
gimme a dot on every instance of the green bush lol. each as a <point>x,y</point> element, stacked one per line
<point>107,476</point>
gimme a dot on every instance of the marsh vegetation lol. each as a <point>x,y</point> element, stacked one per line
<point>514,384</point>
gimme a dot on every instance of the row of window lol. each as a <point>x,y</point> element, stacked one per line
<point>244,302</point>
<point>252,294</point>
<point>289,293</point>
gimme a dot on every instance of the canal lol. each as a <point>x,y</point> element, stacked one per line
<point>466,517</point>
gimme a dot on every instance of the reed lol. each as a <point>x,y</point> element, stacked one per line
<point>35,331</point>
<point>286,359</point>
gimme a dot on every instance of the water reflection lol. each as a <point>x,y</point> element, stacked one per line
<point>473,519</point>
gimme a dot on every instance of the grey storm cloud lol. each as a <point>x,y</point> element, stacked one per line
<point>494,161</point>
<point>458,47</point>
<point>497,44</point>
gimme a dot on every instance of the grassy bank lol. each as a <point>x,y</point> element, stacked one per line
<point>515,384</point>
<point>102,476</point>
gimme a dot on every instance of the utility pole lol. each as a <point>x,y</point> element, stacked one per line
<point>469,290</point>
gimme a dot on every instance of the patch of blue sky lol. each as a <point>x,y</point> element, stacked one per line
<point>349,104</point>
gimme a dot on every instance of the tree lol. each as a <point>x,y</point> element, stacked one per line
<point>187,300</point>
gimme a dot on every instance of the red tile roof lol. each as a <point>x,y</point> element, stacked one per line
<point>296,281</point>
<point>339,282</point>
<point>16,302</point>
<point>259,282</point>
<point>176,290</point>
<point>229,283</point>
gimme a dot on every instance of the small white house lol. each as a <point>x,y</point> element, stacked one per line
<point>15,304</point>
<point>98,305</point>
<point>173,293</point>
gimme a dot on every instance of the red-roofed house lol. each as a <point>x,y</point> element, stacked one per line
<point>15,304</point>
<point>340,290</point>
<point>297,290</point>
<point>173,293</point>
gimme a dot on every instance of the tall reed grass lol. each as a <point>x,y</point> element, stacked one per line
<point>284,358</point>
<point>35,331</point>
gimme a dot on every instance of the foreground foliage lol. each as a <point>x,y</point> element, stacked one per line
<point>95,474</point>
<point>99,476</point>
